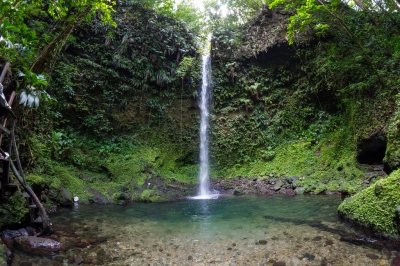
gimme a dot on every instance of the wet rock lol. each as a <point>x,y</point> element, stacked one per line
<point>308,256</point>
<point>37,245</point>
<point>78,259</point>
<point>97,240</point>
<point>262,242</point>
<point>31,230</point>
<point>373,256</point>
<point>278,185</point>
<point>238,192</point>
<point>299,190</point>
<point>64,197</point>
<point>82,244</point>
<point>357,240</point>
<point>23,232</point>
<point>8,235</point>
<point>287,191</point>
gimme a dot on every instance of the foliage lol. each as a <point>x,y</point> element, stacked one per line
<point>149,195</point>
<point>375,206</point>
<point>14,210</point>
<point>19,42</point>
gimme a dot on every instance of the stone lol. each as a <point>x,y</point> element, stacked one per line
<point>78,259</point>
<point>372,256</point>
<point>37,245</point>
<point>299,190</point>
<point>308,256</point>
<point>238,192</point>
<point>328,243</point>
<point>82,244</point>
<point>64,197</point>
<point>279,263</point>
<point>317,238</point>
<point>287,191</point>
<point>7,236</point>
<point>23,232</point>
<point>278,185</point>
<point>262,242</point>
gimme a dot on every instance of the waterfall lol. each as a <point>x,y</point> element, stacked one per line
<point>204,123</point>
<point>204,190</point>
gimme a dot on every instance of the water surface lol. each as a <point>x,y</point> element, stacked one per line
<point>246,230</point>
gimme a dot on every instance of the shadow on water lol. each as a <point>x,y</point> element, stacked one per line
<point>345,236</point>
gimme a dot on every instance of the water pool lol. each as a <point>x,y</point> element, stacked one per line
<point>245,230</point>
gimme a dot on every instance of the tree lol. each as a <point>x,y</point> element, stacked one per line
<point>19,43</point>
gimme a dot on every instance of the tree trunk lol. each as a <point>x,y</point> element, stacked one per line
<point>51,50</point>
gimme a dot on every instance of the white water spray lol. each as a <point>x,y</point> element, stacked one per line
<point>204,191</point>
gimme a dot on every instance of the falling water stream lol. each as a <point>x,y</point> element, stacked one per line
<point>205,113</point>
<point>204,191</point>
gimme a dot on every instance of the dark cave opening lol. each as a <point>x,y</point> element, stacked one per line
<point>372,150</point>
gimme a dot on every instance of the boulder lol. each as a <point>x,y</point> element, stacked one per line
<point>23,232</point>
<point>37,245</point>
<point>299,190</point>
<point>64,197</point>
<point>7,237</point>
<point>278,185</point>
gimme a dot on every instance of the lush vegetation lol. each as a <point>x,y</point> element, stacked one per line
<point>298,85</point>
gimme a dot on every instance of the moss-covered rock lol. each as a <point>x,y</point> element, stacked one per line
<point>375,207</point>
<point>3,257</point>
<point>150,195</point>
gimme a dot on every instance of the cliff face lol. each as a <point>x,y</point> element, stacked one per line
<point>296,109</point>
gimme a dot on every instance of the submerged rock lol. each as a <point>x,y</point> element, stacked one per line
<point>37,245</point>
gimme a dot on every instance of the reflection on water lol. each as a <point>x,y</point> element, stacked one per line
<point>246,230</point>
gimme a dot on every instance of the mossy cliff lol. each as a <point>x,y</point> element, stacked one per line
<point>295,109</point>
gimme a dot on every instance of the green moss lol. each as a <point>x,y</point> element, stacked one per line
<point>328,165</point>
<point>375,206</point>
<point>14,211</point>
<point>64,179</point>
<point>34,179</point>
<point>3,258</point>
<point>149,195</point>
